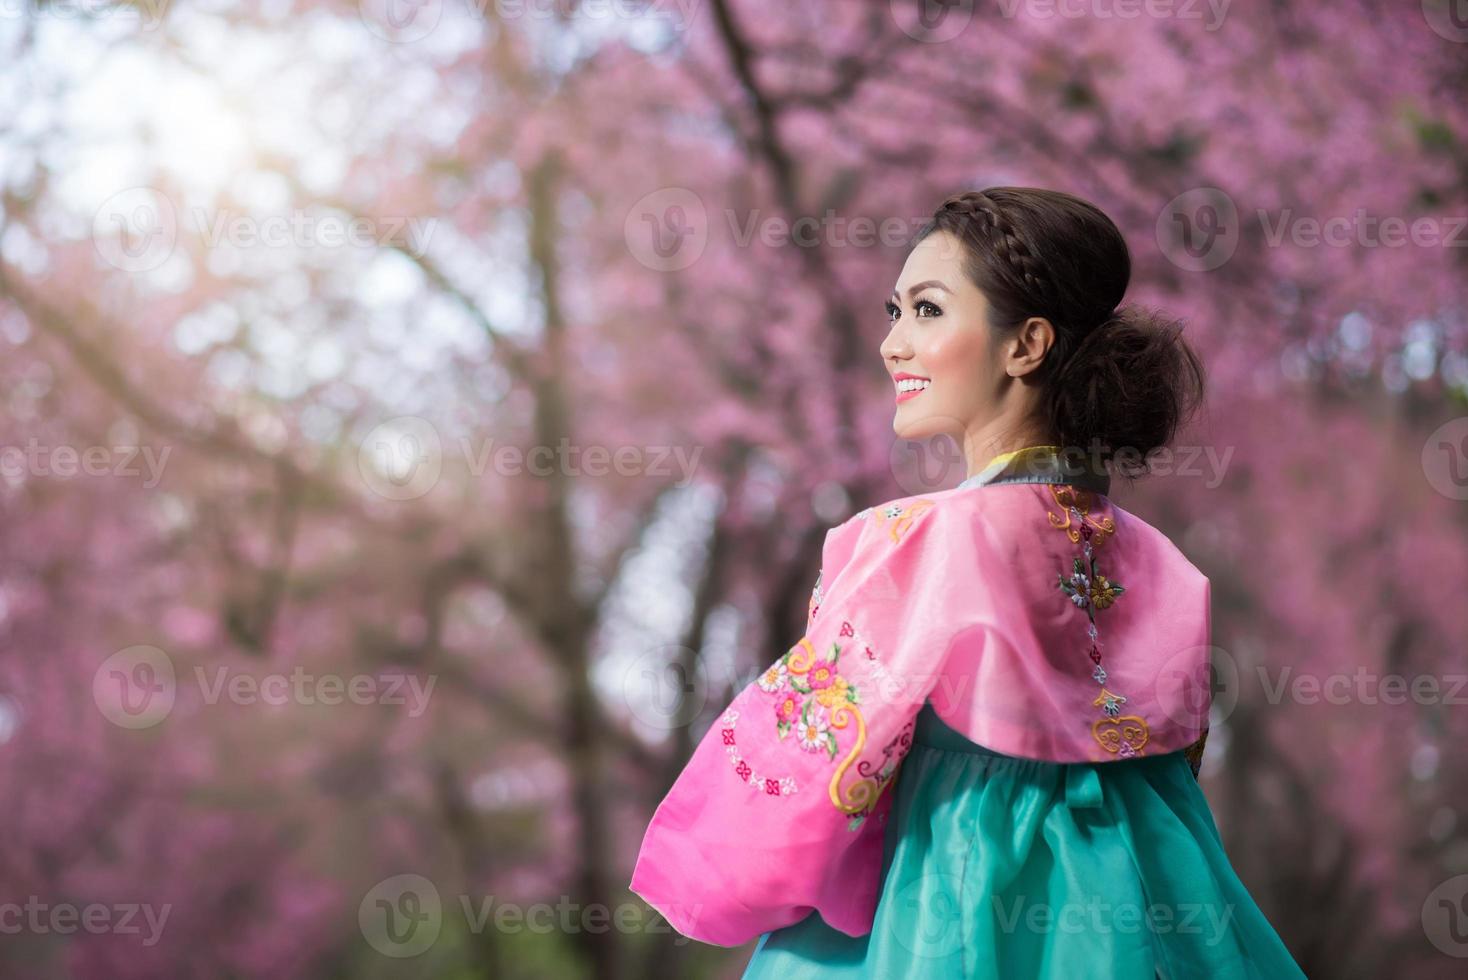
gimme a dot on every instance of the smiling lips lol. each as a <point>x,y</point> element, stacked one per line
<point>909,385</point>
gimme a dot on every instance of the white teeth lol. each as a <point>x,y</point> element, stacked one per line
<point>912,384</point>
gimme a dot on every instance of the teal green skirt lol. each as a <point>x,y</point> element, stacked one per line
<point>996,868</point>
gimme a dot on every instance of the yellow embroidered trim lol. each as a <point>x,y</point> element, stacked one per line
<point>1069,497</point>
<point>898,519</point>
<point>863,793</point>
<point>806,674</point>
<point>1128,730</point>
<point>1026,451</point>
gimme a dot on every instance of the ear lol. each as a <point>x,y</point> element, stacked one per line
<point>1028,345</point>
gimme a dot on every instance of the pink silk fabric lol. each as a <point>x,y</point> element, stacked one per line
<point>967,598</point>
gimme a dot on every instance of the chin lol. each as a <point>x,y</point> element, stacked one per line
<point>922,427</point>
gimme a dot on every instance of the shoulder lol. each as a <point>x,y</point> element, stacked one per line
<point>1155,543</point>
<point>904,521</point>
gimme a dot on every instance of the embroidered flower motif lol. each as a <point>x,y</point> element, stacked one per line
<point>1110,703</point>
<point>775,679</point>
<point>1104,592</point>
<point>1089,589</point>
<point>815,731</point>
<point>815,596</point>
<point>837,692</point>
<point>787,710</point>
<point>820,676</point>
<point>819,704</point>
<point>1078,586</point>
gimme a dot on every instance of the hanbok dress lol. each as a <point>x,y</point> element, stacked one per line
<point>979,761</point>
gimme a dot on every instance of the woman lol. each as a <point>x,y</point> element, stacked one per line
<point>980,760</point>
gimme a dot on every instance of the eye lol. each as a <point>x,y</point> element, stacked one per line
<point>892,311</point>
<point>922,303</point>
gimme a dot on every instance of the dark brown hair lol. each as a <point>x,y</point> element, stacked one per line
<point>1116,377</point>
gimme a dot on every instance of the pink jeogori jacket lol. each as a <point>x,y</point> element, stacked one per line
<point>1039,619</point>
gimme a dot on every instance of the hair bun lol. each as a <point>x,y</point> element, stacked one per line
<point>1128,386</point>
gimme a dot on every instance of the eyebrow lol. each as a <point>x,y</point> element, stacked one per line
<point>913,290</point>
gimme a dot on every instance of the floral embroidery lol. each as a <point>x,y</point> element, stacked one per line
<point>773,679</point>
<point>815,596</point>
<point>819,705</point>
<point>1077,503</point>
<point>898,519</point>
<point>771,786</point>
<point>1091,590</point>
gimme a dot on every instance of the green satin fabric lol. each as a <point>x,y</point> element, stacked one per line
<point>998,868</point>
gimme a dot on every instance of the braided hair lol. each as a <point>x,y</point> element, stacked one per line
<point>1118,382</point>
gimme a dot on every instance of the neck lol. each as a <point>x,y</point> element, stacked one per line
<point>981,450</point>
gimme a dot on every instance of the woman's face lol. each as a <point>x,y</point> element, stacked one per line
<point>940,334</point>
<point>952,373</point>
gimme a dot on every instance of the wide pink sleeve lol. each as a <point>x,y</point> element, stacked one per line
<point>782,806</point>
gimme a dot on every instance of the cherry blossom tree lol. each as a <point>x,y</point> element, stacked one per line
<point>404,402</point>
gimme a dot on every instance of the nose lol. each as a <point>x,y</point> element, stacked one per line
<point>893,347</point>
